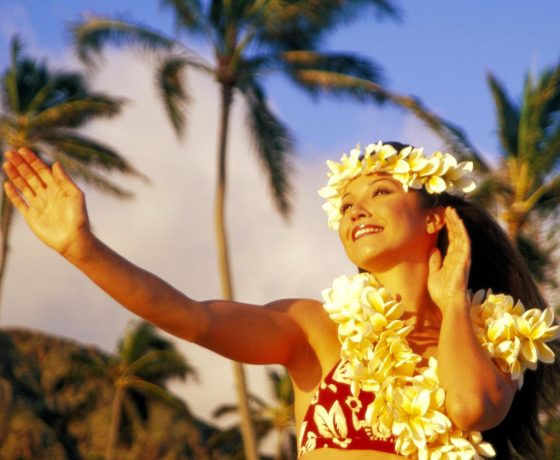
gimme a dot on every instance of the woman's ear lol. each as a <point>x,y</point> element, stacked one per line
<point>435,220</point>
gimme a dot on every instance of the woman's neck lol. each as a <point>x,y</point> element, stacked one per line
<point>408,281</point>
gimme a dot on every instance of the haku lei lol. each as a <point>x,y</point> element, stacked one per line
<point>437,173</point>
<point>409,402</point>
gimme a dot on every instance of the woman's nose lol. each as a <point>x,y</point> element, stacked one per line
<point>358,211</point>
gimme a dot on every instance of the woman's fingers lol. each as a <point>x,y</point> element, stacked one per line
<point>459,249</point>
<point>17,181</point>
<point>41,170</point>
<point>22,174</point>
<point>15,198</point>
<point>459,241</point>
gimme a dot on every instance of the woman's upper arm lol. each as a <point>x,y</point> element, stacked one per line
<point>268,334</point>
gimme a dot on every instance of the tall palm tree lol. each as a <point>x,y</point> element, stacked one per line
<point>43,109</point>
<point>143,364</point>
<point>524,187</point>
<point>250,40</point>
<point>528,178</point>
<point>277,417</point>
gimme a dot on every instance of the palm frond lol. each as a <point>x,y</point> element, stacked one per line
<point>93,33</point>
<point>507,114</point>
<point>10,93</point>
<point>335,83</point>
<point>488,189</point>
<point>530,130</point>
<point>188,14</point>
<point>87,152</point>
<point>548,195</point>
<point>151,389</point>
<point>549,156</point>
<point>301,24</point>
<point>75,113</point>
<point>83,172</point>
<point>344,64</point>
<point>257,407</point>
<point>170,81</point>
<point>273,142</point>
<point>548,147</point>
<point>139,338</point>
<point>225,409</point>
<point>552,96</point>
<point>158,366</point>
<point>280,386</point>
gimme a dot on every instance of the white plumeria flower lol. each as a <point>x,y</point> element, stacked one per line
<point>409,402</point>
<point>410,166</point>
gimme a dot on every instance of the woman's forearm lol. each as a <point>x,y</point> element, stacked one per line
<point>478,394</point>
<point>138,290</point>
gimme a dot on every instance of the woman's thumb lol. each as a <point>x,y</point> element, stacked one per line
<point>434,261</point>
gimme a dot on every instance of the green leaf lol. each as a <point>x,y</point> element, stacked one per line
<point>94,32</point>
<point>507,114</point>
<point>170,80</point>
<point>273,143</point>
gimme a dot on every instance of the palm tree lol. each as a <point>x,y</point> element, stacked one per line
<point>43,109</point>
<point>528,178</point>
<point>524,187</point>
<point>277,417</point>
<point>250,40</point>
<point>143,364</point>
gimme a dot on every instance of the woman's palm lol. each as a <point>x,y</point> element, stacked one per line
<point>51,204</point>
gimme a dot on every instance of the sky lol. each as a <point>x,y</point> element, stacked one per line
<point>440,51</point>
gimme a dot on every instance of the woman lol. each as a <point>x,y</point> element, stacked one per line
<point>399,361</point>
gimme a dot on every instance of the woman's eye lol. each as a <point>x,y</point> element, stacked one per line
<point>345,207</point>
<point>380,191</point>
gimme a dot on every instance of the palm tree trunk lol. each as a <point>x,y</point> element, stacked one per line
<point>6,211</point>
<point>115,422</point>
<point>247,431</point>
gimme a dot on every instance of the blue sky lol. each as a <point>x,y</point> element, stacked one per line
<point>440,52</point>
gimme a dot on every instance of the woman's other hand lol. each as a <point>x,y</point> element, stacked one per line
<point>448,278</point>
<point>49,201</point>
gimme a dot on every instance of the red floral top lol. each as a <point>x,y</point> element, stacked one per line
<point>336,419</point>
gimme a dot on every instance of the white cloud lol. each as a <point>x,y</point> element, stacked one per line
<point>168,229</point>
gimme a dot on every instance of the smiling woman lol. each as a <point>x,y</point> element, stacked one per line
<point>376,367</point>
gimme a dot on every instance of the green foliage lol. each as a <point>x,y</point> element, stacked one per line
<point>276,417</point>
<point>523,190</point>
<point>42,109</point>
<point>52,409</point>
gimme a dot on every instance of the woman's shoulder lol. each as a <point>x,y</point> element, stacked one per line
<point>320,339</point>
<point>307,312</point>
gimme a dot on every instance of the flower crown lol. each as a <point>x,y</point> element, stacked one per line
<point>437,173</point>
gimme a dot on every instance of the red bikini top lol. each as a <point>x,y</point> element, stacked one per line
<point>336,419</point>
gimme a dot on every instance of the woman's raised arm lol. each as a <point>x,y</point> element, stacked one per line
<point>54,208</point>
<point>479,394</point>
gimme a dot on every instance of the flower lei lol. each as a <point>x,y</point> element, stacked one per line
<point>436,173</point>
<point>409,402</point>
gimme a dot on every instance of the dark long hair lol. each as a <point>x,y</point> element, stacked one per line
<point>496,264</point>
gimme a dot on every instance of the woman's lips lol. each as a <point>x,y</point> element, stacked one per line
<point>364,230</point>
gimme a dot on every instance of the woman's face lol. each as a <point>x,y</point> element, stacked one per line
<point>382,224</point>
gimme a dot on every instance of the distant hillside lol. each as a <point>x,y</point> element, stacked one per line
<point>43,416</point>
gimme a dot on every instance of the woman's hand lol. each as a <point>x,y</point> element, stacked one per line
<point>49,201</point>
<point>448,279</point>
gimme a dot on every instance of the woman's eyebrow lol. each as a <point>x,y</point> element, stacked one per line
<point>379,179</point>
<point>373,181</point>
